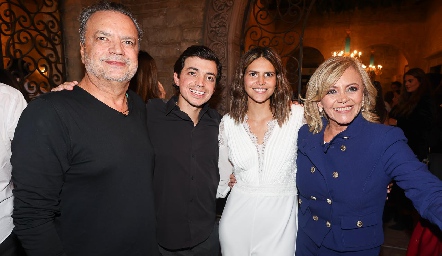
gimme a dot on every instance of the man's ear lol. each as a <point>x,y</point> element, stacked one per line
<point>82,52</point>
<point>176,79</point>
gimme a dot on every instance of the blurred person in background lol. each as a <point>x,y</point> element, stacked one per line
<point>415,111</point>
<point>415,115</point>
<point>391,99</point>
<point>145,82</point>
<point>396,86</point>
<point>426,239</point>
<point>380,107</point>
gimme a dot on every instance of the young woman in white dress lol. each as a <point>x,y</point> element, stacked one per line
<point>258,144</point>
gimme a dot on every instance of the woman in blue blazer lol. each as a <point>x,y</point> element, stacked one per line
<point>345,161</point>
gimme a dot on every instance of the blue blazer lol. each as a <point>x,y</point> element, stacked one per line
<point>343,184</point>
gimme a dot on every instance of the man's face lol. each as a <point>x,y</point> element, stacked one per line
<point>197,82</point>
<point>110,51</point>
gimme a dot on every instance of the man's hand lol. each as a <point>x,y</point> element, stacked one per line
<point>392,121</point>
<point>65,86</point>
<point>232,180</point>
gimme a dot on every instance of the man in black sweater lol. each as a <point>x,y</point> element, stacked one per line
<point>82,159</point>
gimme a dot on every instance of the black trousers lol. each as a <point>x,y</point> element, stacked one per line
<point>210,247</point>
<point>11,247</point>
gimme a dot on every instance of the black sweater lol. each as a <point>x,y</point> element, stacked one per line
<point>83,177</point>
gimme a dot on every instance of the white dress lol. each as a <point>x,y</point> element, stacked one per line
<point>260,216</point>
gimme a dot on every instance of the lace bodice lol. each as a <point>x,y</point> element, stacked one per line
<point>271,164</point>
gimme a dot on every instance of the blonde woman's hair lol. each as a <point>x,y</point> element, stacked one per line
<point>327,74</point>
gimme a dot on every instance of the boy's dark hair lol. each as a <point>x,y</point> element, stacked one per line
<point>201,52</point>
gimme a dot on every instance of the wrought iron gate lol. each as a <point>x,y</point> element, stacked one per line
<point>31,43</point>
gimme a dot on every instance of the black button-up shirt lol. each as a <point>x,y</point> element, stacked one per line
<point>186,172</point>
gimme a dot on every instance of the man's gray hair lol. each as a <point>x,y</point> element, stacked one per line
<point>105,6</point>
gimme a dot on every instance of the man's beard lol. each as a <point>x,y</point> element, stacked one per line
<point>98,71</point>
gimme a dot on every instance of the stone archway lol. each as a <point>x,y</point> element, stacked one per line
<point>222,33</point>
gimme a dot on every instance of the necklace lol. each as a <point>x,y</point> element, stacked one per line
<point>126,112</point>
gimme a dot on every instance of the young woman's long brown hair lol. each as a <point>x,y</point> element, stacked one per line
<point>279,101</point>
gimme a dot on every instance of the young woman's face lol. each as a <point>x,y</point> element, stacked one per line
<point>343,100</point>
<point>260,80</point>
<point>411,83</point>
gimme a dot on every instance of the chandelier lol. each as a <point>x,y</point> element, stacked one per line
<point>372,69</point>
<point>346,52</point>
<point>355,54</point>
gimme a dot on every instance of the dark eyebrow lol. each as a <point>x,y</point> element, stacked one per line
<point>192,68</point>
<point>196,69</point>
<point>251,70</point>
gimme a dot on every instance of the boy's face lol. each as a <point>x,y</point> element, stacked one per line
<point>196,81</point>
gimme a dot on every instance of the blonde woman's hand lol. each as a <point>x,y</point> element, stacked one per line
<point>65,86</point>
